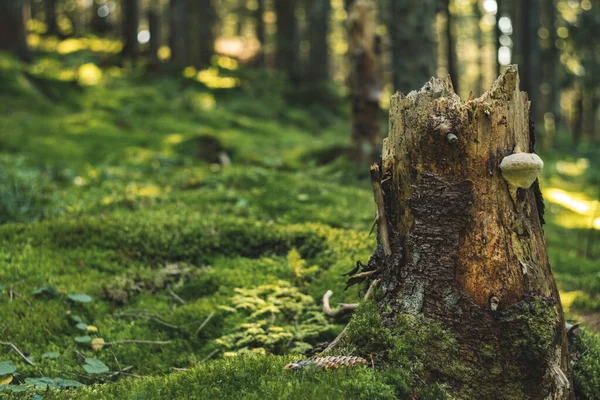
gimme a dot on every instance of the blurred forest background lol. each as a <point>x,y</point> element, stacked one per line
<point>187,172</point>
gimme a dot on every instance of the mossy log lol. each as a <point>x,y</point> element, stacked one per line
<point>465,254</point>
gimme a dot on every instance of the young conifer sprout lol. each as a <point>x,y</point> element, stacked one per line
<point>520,170</point>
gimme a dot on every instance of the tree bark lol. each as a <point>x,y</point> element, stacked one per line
<point>466,255</point>
<point>130,21</point>
<point>451,45</point>
<point>413,42</point>
<point>498,34</point>
<point>318,61</point>
<point>202,40</point>
<point>179,33</point>
<point>287,45</point>
<point>12,29</point>
<point>154,27</point>
<point>50,13</point>
<point>260,31</point>
<point>530,53</point>
<point>365,80</point>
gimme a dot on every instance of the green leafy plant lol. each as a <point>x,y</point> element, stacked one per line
<point>95,366</point>
<point>279,319</point>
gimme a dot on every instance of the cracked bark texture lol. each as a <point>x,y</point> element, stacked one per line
<point>464,254</point>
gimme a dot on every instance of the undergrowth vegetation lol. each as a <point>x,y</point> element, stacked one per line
<point>152,224</point>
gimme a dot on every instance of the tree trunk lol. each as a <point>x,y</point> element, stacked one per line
<point>550,101</point>
<point>130,20</point>
<point>179,32</point>
<point>498,33</point>
<point>451,48</point>
<point>365,80</point>
<point>530,53</point>
<point>154,27</point>
<point>287,44</point>
<point>202,39</point>
<point>318,61</point>
<point>413,42</point>
<point>50,12</point>
<point>12,29</point>
<point>260,30</point>
<point>461,252</point>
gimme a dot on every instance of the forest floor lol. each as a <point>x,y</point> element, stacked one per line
<point>169,227</point>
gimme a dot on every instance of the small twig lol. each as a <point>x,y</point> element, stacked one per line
<point>380,210</point>
<point>179,299</point>
<point>18,352</point>
<point>208,356</point>
<point>179,369</point>
<point>158,342</point>
<point>149,317</point>
<point>203,324</point>
<point>344,307</point>
<point>343,333</point>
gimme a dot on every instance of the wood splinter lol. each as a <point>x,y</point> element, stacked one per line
<point>344,307</point>
<point>380,210</point>
<point>337,340</point>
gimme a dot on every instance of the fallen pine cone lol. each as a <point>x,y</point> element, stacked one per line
<point>331,362</point>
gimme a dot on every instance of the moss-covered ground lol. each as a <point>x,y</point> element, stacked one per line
<point>180,231</point>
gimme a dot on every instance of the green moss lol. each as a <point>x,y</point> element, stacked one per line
<point>585,349</point>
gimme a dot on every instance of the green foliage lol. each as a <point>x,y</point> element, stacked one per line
<point>7,368</point>
<point>279,319</point>
<point>585,349</point>
<point>94,366</point>
<point>24,191</point>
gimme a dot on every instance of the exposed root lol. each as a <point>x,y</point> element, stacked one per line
<point>344,307</point>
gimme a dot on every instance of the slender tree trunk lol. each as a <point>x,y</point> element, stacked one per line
<point>579,118</point>
<point>530,52</point>
<point>179,42</point>
<point>498,33</point>
<point>550,101</point>
<point>451,47</point>
<point>318,60</point>
<point>50,12</point>
<point>287,44</point>
<point>480,45</point>
<point>260,30</point>
<point>348,4</point>
<point>241,14</point>
<point>154,27</point>
<point>130,21</point>
<point>202,40</point>
<point>413,42</point>
<point>461,252</point>
<point>365,80</point>
<point>12,29</point>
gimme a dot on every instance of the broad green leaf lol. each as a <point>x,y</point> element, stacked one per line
<point>76,318</point>
<point>55,383</point>
<point>81,326</point>
<point>7,368</point>
<point>83,339</point>
<point>95,366</point>
<point>47,290</point>
<point>51,354</point>
<point>37,397</point>
<point>79,297</point>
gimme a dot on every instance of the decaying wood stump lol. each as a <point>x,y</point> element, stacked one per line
<point>365,79</point>
<point>464,253</point>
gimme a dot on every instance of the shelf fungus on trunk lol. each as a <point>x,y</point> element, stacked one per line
<point>520,170</point>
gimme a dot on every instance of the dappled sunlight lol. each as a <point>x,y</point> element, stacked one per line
<point>584,211</point>
<point>72,45</point>
<point>567,298</point>
<point>573,168</point>
<point>89,75</point>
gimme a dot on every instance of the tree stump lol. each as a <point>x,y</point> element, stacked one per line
<point>465,254</point>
